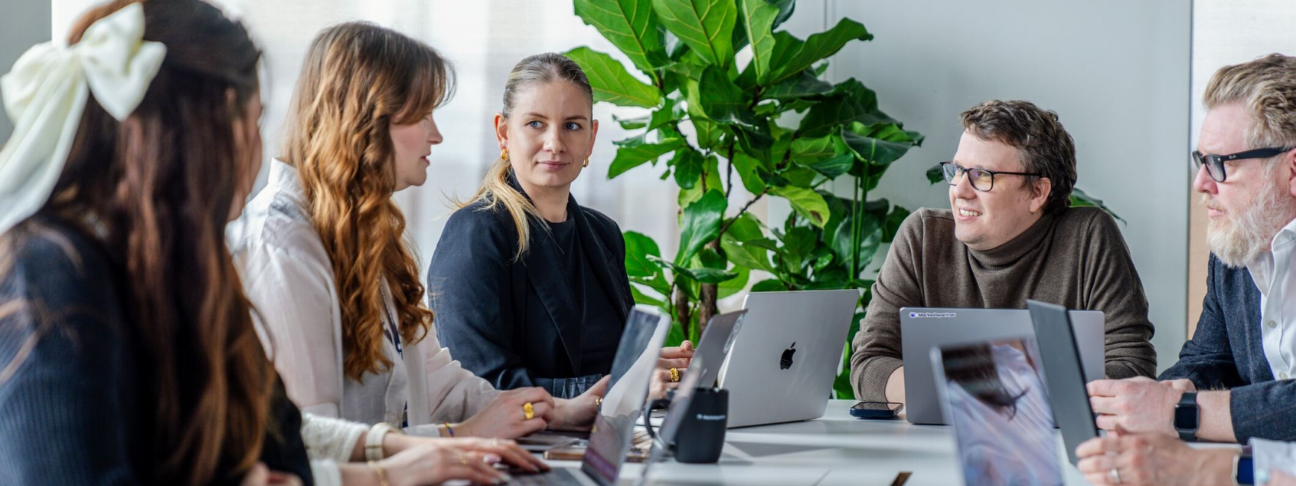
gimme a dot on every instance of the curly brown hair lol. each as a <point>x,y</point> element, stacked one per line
<point>1044,145</point>
<point>358,78</point>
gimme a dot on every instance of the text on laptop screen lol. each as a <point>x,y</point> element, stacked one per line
<point>998,406</point>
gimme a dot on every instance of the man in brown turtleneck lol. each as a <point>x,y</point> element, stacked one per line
<point>1008,236</point>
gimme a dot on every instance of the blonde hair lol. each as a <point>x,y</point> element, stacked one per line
<point>495,189</point>
<point>1267,88</point>
<point>359,78</point>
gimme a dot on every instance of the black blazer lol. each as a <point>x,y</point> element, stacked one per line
<point>1227,352</point>
<point>515,323</point>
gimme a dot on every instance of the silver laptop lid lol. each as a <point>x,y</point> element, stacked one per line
<point>993,395</point>
<point>784,360</point>
<point>925,328</point>
<point>632,368</point>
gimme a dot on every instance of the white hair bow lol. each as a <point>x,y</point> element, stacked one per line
<point>45,95</point>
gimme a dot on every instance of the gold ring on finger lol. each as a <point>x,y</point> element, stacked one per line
<point>674,375</point>
<point>528,410</point>
<point>463,460</point>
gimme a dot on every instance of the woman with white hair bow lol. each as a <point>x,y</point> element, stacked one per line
<point>127,351</point>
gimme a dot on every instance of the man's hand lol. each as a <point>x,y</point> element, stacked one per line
<point>1152,459</point>
<point>1135,404</point>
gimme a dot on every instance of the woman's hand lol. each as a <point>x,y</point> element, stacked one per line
<point>578,413</point>
<point>435,463</point>
<point>506,450</point>
<point>504,417</point>
<point>671,358</point>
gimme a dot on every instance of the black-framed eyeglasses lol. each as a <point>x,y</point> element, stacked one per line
<point>1215,163</point>
<point>981,179</point>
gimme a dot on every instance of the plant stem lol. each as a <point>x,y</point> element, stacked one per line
<point>729,181</point>
<point>741,210</point>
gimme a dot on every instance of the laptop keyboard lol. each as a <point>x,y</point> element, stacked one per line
<point>556,476</point>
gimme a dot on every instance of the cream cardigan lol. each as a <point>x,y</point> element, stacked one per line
<point>289,279</point>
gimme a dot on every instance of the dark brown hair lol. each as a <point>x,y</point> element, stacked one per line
<point>159,187</point>
<point>1045,146</point>
<point>358,79</point>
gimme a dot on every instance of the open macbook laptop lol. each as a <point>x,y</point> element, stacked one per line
<point>993,395</point>
<point>783,362</point>
<point>1062,375</point>
<point>922,329</point>
<point>635,360</point>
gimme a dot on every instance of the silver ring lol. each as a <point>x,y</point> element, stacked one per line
<point>1115,476</point>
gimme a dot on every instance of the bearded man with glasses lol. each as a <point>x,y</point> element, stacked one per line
<point>1009,235</point>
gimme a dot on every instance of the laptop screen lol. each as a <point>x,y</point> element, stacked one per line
<point>636,358</point>
<point>716,340</point>
<point>995,399</point>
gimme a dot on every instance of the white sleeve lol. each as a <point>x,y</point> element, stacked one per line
<point>294,303</point>
<point>1271,455</point>
<point>454,393</point>
<point>326,473</point>
<point>330,438</point>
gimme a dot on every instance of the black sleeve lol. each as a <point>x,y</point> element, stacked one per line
<point>1207,358</point>
<point>62,419</point>
<point>468,290</point>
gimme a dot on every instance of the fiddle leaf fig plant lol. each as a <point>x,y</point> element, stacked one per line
<point>772,127</point>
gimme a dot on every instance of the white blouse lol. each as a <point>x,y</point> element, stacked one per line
<point>289,279</point>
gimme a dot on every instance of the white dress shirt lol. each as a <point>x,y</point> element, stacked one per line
<point>289,278</point>
<point>1273,274</point>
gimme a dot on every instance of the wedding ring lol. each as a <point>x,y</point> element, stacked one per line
<point>528,410</point>
<point>598,401</point>
<point>674,375</point>
<point>1115,476</point>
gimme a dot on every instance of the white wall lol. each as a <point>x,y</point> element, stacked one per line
<point>1117,73</point>
<point>23,24</point>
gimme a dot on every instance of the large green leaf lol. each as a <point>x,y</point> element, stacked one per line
<point>757,17</point>
<point>733,286</point>
<point>612,82</point>
<point>634,152</point>
<point>746,254</point>
<point>688,167</point>
<point>791,55</point>
<point>638,248</point>
<point>748,169</point>
<point>850,101</point>
<point>642,298</point>
<point>630,26</point>
<point>770,285</point>
<point>700,275</point>
<point>806,202</point>
<point>827,155</point>
<point>722,100</point>
<point>706,26</point>
<point>874,150</point>
<point>870,238</point>
<point>1081,199</point>
<point>700,224</point>
<point>803,85</point>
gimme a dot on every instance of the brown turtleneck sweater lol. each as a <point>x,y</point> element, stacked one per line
<point>1076,258</point>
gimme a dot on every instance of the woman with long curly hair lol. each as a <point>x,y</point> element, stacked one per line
<point>337,290</point>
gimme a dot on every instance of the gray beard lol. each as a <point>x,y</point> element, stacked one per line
<point>1238,240</point>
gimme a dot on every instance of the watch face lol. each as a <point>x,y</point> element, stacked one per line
<point>1185,417</point>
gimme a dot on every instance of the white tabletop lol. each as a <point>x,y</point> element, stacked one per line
<point>834,450</point>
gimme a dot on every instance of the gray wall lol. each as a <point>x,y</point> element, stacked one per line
<point>24,23</point>
<point>1116,71</point>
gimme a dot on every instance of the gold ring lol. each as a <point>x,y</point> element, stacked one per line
<point>495,441</point>
<point>463,460</point>
<point>598,401</point>
<point>674,375</point>
<point>528,410</point>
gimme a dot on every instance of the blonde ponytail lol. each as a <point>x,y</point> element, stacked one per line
<point>496,191</point>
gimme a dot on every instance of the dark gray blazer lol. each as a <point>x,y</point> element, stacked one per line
<point>515,323</point>
<point>1226,353</point>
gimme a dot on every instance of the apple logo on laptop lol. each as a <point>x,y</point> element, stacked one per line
<point>786,361</point>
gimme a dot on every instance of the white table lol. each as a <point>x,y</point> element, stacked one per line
<point>834,450</point>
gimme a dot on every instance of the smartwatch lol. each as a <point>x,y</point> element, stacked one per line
<point>1243,468</point>
<point>1187,416</point>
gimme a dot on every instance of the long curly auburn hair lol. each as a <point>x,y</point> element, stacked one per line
<point>358,79</point>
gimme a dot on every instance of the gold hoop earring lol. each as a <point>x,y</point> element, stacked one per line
<point>586,161</point>
<point>504,154</point>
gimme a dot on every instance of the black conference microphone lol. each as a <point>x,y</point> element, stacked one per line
<point>701,435</point>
